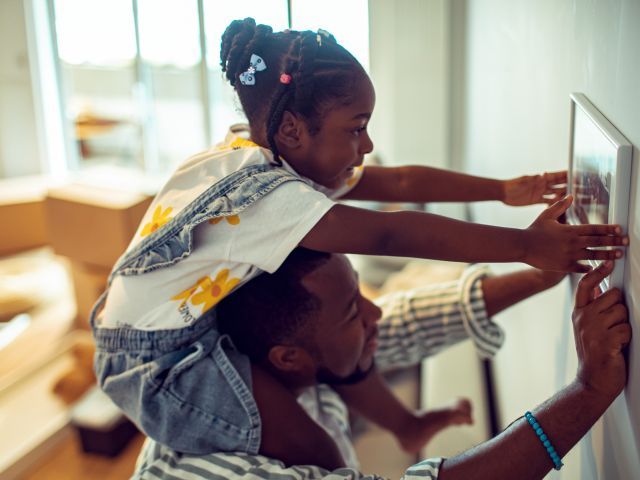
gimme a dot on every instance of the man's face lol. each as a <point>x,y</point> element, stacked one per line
<point>345,325</point>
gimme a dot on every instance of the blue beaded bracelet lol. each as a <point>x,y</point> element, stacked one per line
<point>555,458</point>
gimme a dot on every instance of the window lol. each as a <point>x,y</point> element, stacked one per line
<point>140,83</point>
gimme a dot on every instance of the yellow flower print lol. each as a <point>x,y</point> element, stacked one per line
<point>159,218</point>
<point>184,295</point>
<point>213,291</point>
<point>231,220</point>
<point>357,173</point>
<point>242,143</point>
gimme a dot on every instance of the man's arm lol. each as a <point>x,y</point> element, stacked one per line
<point>502,291</point>
<point>427,184</point>
<point>601,332</point>
<point>420,322</point>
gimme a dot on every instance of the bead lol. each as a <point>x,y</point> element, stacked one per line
<point>285,78</point>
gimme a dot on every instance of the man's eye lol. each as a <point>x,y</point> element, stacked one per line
<point>359,130</point>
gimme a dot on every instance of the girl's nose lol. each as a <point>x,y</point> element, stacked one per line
<point>366,144</point>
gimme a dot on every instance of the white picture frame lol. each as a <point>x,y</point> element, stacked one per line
<point>599,174</point>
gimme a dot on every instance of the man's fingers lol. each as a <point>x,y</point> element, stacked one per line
<point>615,315</point>
<point>584,292</point>
<point>607,300</point>
<point>619,337</point>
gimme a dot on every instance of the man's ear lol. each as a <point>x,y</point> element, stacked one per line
<point>290,131</point>
<point>289,359</point>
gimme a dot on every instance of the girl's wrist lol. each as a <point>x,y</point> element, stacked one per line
<point>498,190</point>
<point>501,190</point>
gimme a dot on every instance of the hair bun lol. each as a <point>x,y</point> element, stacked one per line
<point>232,46</point>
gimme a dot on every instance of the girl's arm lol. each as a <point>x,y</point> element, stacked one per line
<point>546,244</point>
<point>427,184</point>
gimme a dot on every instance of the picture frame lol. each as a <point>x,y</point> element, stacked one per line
<point>599,175</point>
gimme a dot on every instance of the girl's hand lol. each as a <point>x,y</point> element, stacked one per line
<point>531,189</point>
<point>550,245</point>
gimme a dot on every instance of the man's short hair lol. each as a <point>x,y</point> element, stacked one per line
<point>273,309</point>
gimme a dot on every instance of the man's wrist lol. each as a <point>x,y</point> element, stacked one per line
<point>593,395</point>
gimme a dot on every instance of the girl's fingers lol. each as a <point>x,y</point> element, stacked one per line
<point>554,178</point>
<point>600,254</point>
<point>602,241</point>
<point>558,208</point>
<point>580,268</point>
<point>586,230</point>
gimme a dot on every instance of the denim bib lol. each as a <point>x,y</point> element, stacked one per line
<point>186,388</point>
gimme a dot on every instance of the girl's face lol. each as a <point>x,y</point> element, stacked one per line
<point>329,156</point>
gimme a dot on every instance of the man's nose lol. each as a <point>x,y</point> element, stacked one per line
<point>373,313</point>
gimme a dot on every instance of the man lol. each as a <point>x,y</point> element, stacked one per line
<point>331,333</point>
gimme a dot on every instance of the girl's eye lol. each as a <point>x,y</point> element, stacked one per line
<point>359,130</point>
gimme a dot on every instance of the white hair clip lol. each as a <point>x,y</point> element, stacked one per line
<point>322,33</point>
<point>256,64</point>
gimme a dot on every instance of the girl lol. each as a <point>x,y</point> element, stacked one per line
<point>236,210</point>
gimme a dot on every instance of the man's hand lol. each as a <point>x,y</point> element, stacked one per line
<point>550,245</point>
<point>530,189</point>
<point>601,331</point>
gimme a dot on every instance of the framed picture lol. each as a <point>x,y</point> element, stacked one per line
<point>599,174</point>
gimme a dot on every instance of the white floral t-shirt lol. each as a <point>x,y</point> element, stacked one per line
<point>227,251</point>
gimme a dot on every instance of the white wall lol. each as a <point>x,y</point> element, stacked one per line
<point>18,142</point>
<point>409,68</point>
<point>521,60</point>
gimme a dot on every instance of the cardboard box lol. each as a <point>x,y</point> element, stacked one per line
<point>93,225</point>
<point>22,216</point>
<point>88,284</point>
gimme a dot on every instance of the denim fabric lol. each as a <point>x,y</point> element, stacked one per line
<point>188,388</point>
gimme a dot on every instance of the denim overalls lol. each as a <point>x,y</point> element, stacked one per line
<point>187,388</point>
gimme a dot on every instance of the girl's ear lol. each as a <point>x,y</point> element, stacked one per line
<point>290,131</point>
<point>292,360</point>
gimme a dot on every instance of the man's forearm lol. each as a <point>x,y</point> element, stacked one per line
<point>518,452</point>
<point>502,291</point>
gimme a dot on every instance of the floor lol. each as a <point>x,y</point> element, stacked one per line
<point>69,462</point>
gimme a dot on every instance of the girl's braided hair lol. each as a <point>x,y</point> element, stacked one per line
<point>323,74</point>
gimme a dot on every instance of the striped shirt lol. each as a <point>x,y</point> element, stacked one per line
<point>415,324</point>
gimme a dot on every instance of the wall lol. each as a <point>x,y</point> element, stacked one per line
<point>18,146</point>
<point>409,69</point>
<point>520,62</point>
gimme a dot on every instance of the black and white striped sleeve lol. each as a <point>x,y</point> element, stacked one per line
<point>156,462</point>
<point>420,322</point>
